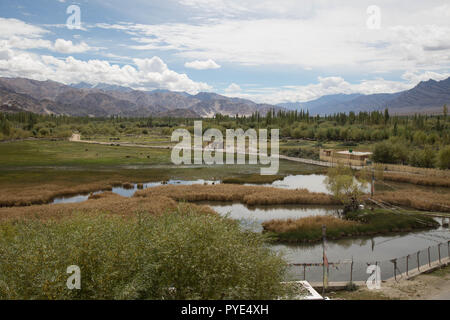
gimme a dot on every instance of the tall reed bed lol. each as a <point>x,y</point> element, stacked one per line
<point>358,223</point>
<point>250,195</point>
<point>415,170</point>
<point>416,199</point>
<point>423,180</point>
<point>107,202</point>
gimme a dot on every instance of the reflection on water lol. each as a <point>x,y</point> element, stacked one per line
<point>313,183</point>
<point>253,217</point>
<point>365,251</point>
<point>129,192</point>
<point>74,199</point>
<point>361,250</point>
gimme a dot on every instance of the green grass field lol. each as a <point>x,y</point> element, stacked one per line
<point>40,169</point>
<point>64,153</point>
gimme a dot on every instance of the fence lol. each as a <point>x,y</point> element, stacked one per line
<point>416,170</point>
<point>350,270</point>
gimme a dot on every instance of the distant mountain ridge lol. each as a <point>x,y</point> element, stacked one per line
<point>102,100</point>
<point>427,97</point>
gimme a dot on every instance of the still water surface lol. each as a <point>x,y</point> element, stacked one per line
<point>362,250</point>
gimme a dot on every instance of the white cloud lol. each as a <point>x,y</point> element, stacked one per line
<point>60,45</point>
<point>66,46</point>
<point>15,61</point>
<point>335,85</point>
<point>233,88</point>
<point>20,35</point>
<point>14,27</point>
<point>311,34</point>
<point>202,65</point>
<point>149,74</point>
<point>414,77</point>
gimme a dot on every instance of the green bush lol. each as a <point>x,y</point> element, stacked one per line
<point>181,255</point>
<point>390,152</point>
<point>44,132</point>
<point>444,158</point>
<point>422,158</point>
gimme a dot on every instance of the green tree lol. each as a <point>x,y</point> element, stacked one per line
<point>444,158</point>
<point>345,187</point>
<point>383,153</point>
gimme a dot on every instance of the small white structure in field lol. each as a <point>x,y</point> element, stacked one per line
<point>75,137</point>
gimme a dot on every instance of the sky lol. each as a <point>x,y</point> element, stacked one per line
<point>267,51</point>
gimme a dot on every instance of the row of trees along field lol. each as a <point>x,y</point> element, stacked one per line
<point>418,140</point>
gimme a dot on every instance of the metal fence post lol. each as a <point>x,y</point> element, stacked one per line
<point>439,252</point>
<point>304,272</point>
<point>407,265</point>
<point>429,257</point>
<point>351,273</point>
<point>394,261</point>
<point>418,261</point>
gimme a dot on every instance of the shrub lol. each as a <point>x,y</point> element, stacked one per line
<point>444,158</point>
<point>344,187</point>
<point>382,153</point>
<point>180,255</point>
<point>44,132</point>
<point>389,152</point>
<point>422,158</point>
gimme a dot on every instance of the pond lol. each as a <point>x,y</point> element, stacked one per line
<point>312,182</point>
<point>362,250</point>
<point>252,217</point>
<point>129,192</point>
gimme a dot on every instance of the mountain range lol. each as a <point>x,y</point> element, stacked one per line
<point>427,97</point>
<point>102,100</point>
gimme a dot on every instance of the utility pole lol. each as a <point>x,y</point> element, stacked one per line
<point>372,187</point>
<point>325,260</point>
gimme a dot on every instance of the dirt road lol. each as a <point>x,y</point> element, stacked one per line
<point>432,286</point>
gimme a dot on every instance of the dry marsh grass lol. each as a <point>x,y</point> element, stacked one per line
<point>252,179</point>
<point>307,223</point>
<point>357,223</point>
<point>423,180</point>
<point>250,195</point>
<point>414,170</point>
<point>421,200</point>
<point>26,196</point>
<point>107,202</point>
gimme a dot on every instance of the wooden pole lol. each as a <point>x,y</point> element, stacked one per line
<point>429,257</point>
<point>439,252</point>
<point>394,261</point>
<point>407,264</point>
<point>304,272</point>
<point>351,272</point>
<point>448,248</point>
<point>325,280</point>
<point>372,188</point>
<point>418,261</point>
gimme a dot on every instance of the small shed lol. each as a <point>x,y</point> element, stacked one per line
<point>354,158</point>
